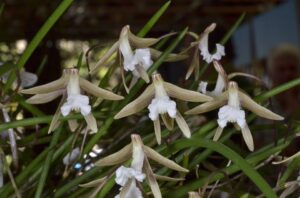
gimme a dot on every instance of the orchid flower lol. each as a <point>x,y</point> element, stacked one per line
<point>221,83</point>
<point>231,102</point>
<point>203,46</point>
<point>70,86</point>
<point>157,97</point>
<point>139,170</point>
<point>137,60</point>
<point>202,42</point>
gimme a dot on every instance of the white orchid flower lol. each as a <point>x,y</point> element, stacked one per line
<point>203,46</point>
<point>231,102</point>
<point>70,86</point>
<point>140,168</point>
<point>157,97</point>
<point>136,54</point>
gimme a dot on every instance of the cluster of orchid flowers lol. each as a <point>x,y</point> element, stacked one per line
<point>138,56</point>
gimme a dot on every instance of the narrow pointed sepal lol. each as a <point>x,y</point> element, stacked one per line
<point>138,104</point>
<point>168,121</point>
<point>248,137</point>
<point>139,42</point>
<point>93,183</point>
<point>143,73</point>
<point>44,98</point>
<point>157,130</point>
<point>209,106</point>
<point>184,94</point>
<point>183,125</point>
<point>170,179</point>
<point>155,54</point>
<point>46,88</point>
<point>97,91</point>
<point>218,134</point>
<point>105,57</point>
<point>261,111</point>
<point>152,154</point>
<point>91,122</point>
<point>116,158</point>
<point>151,179</point>
<point>73,125</point>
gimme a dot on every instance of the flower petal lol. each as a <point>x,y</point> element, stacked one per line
<point>170,179</point>
<point>125,188</point>
<point>218,134</point>
<point>143,73</point>
<point>251,105</point>
<point>91,122</point>
<point>209,106</point>
<point>194,66</point>
<point>138,104</point>
<point>168,121</point>
<point>248,137</point>
<point>155,54</point>
<point>183,125</point>
<point>152,154</point>
<point>44,98</point>
<point>73,124</point>
<point>139,42</point>
<point>184,94</point>
<point>97,91</point>
<point>105,57</point>
<point>46,88</point>
<point>55,122</point>
<point>116,158</point>
<point>93,183</point>
<point>151,180</point>
<point>157,130</point>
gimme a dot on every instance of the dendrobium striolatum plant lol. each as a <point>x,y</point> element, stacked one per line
<point>146,132</point>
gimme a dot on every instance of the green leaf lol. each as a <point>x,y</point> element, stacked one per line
<point>153,19</point>
<point>46,166</point>
<point>248,169</point>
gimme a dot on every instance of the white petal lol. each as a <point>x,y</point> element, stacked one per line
<point>202,87</point>
<point>161,105</point>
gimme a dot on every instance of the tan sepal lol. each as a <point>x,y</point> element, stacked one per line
<point>235,74</point>
<point>97,91</point>
<point>151,179</point>
<point>261,111</point>
<point>138,104</point>
<point>143,73</point>
<point>185,94</point>
<point>183,125</point>
<point>44,98</point>
<point>248,137</point>
<point>91,122</point>
<point>218,134</point>
<point>157,130</point>
<point>194,66</point>
<point>55,122</point>
<point>105,57</point>
<point>125,188</point>
<point>194,195</point>
<point>168,121</point>
<point>139,42</point>
<point>170,179</point>
<point>73,124</point>
<point>46,88</point>
<point>116,158</point>
<point>209,106</point>
<point>152,154</point>
<point>155,54</point>
<point>93,183</point>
